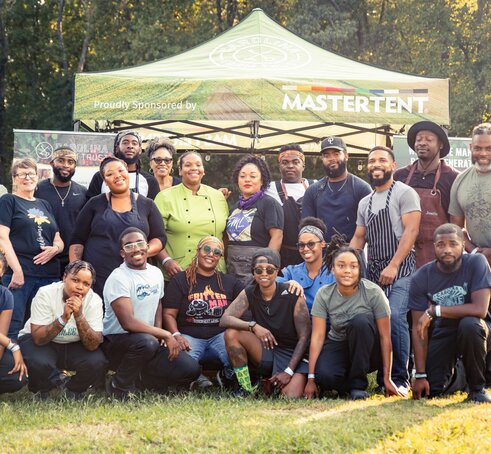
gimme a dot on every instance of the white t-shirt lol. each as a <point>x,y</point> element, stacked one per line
<point>48,305</point>
<point>295,190</point>
<point>145,288</point>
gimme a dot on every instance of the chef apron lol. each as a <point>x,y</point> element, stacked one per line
<point>432,216</point>
<point>383,243</point>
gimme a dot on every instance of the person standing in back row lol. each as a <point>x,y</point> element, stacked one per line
<point>432,179</point>
<point>335,198</point>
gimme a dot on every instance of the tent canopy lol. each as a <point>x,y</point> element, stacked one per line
<point>258,86</point>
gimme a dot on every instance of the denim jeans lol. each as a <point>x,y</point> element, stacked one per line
<point>22,299</point>
<point>210,349</point>
<point>399,328</point>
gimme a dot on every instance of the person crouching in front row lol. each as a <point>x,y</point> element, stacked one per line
<point>277,338</point>
<point>134,342</point>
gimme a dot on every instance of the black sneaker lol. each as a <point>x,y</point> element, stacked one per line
<point>41,396</point>
<point>358,394</point>
<point>224,382</point>
<point>479,397</point>
<point>202,382</point>
<point>116,393</point>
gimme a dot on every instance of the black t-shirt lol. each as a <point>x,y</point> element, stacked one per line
<point>32,225</point>
<point>251,227</point>
<point>149,189</point>
<point>275,315</point>
<point>200,311</point>
<point>67,213</point>
<point>449,289</point>
<point>6,299</point>
<point>419,180</point>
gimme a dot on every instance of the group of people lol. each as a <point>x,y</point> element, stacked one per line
<point>301,287</point>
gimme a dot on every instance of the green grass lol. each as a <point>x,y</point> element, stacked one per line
<point>217,423</point>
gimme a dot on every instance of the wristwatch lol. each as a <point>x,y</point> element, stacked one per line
<point>252,324</point>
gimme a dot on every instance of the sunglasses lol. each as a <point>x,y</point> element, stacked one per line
<point>310,245</point>
<point>159,161</point>
<point>269,270</point>
<point>130,247</point>
<point>216,251</point>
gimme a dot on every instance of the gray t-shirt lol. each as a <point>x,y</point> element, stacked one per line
<point>145,288</point>
<point>470,197</point>
<point>369,299</point>
<point>404,199</point>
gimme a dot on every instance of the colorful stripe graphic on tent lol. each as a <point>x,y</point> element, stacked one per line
<point>376,91</point>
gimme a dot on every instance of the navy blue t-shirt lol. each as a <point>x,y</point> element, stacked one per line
<point>6,299</point>
<point>449,289</point>
<point>336,204</point>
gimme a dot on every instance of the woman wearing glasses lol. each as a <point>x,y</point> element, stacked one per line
<point>161,153</point>
<point>276,341</point>
<point>31,241</point>
<point>190,211</point>
<point>104,217</point>
<point>313,272</point>
<point>194,302</point>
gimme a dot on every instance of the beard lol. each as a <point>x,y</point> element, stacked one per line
<point>128,161</point>
<point>337,172</point>
<point>483,168</point>
<point>62,178</point>
<point>380,181</point>
<point>449,267</point>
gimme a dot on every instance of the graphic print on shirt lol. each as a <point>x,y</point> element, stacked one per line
<point>451,296</point>
<point>239,224</point>
<point>206,307</point>
<point>478,206</point>
<point>39,218</point>
<point>145,290</point>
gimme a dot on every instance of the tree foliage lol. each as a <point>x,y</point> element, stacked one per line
<point>43,43</point>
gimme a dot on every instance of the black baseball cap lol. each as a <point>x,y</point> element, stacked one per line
<point>333,142</point>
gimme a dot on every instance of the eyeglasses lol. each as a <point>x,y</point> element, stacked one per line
<point>269,270</point>
<point>130,247</point>
<point>159,161</point>
<point>25,176</point>
<point>309,244</point>
<point>216,251</point>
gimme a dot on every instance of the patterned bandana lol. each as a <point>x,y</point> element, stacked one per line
<point>313,230</point>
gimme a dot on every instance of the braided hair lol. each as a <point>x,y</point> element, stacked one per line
<point>192,269</point>
<point>77,265</point>
<point>338,246</point>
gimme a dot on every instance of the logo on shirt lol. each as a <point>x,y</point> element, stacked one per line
<point>145,290</point>
<point>239,224</point>
<point>38,216</point>
<point>206,306</point>
<point>452,296</point>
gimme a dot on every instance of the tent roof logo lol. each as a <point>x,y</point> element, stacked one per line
<point>260,52</point>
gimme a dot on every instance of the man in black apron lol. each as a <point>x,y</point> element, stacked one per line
<point>388,223</point>
<point>432,179</point>
<point>289,192</point>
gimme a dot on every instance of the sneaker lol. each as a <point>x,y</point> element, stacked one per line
<point>202,382</point>
<point>72,395</point>
<point>358,394</point>
<point>41,396</point>
<point>404,390</point>
<point>224,382</point>
<point>241,393</point>
<point>116,393</point>
<point>479,397</point>
<point>58,378</point>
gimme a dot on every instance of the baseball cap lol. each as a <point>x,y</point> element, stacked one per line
<point>333,142</point>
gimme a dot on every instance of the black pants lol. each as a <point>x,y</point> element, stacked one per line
<point>344,365</point>
<point>468,337</point>
<point>136,356</point>
<point>41,360</point>
<point>9,383</point>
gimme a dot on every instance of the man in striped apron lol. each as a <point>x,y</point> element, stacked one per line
<point>388,222</point>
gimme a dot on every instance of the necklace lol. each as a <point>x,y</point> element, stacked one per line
<point>342,186</point>
<point>66,195</point>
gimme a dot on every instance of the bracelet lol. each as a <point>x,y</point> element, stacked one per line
<point>427,313</point>
<point>289,371</point>
<point>166,260</point>
<point>61,321</point>
<point>420,375</point>
<point>177,333</point>
<point>15,348</point>
<point>474,250</point>
<point>438,310</point>
<point>10,346</point>
<point>311,376</point>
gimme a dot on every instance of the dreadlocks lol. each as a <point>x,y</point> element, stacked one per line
<point>192,269</point>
